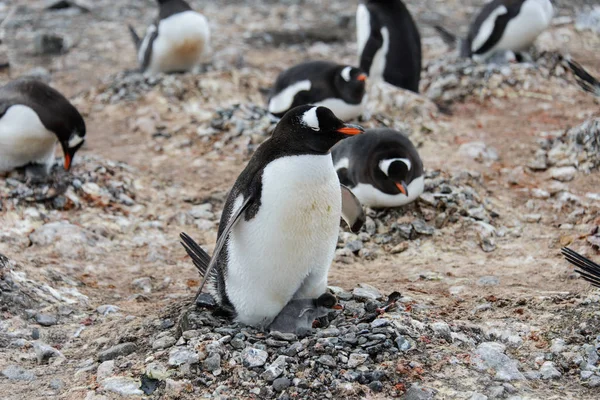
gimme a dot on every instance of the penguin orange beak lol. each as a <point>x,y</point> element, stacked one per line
<point>68,160</point>
<point>402,188</point>
<point>351,130</point>
<point>338,307</point>
<point>362,77</point>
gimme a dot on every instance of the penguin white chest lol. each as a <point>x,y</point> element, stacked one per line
<point>182,42</point>
<point>24,139</point>
<point>293,234</point>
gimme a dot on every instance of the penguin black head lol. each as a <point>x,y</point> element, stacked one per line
<point>398,170</point>
<point>327,300</point>
<point>350,82</point>
<point>312,129</point>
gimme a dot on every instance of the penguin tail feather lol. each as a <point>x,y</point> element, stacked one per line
<point>584,79</point>
<point>134,36</point>
<point>199,257</point>
<point>448,37</point>
<point>589,270</point>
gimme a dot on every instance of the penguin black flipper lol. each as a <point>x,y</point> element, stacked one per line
<point>584,78</point>
<point>448,37</point>
<point>352,211</point>
<point>504,13</point>
<point>199,257</point>
<point>223,239</point>
<point>134,36</point>
<point>373,44</point>
<point>591,270</point>
<point>147,44</point>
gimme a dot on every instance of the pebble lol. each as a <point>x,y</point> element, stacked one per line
<point>16,373</point>
<point>549,371</point>
<point>252,357</point>
<point>106,309</point>
<point>144,284</point>
<point>442,330</point>
<point>275,369</point>
<point>357,359</point>
<point>366,292</point>
<point>181,356</point>
<point>44,352</point>
<point>532,218</point>
<point>122,386</point>
<point>122,349</point>
<point>488,281</point>
<point>416,392</point>
<point>563,174</point>
<point>594,381</point>
<point>490,355</point>
<point>164,342</point>
<point>46,319</point>
<point>280,384</point>
<point>421,227</point>
<point>105,370</point>
<point>478,396</point>
<point>326,359</point>
<point>212,363</point>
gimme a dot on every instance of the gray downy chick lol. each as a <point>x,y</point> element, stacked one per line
<point>298,315</point>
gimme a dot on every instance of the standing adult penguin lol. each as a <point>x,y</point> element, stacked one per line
<point>177,42</point>
<point>33,118</point>
<point>341,88</point>
<point>381,167</point>
<point>504,26</point>
<point>389,44</point>
<point>279,226</point>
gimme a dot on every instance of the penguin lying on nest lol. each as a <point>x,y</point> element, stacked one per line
<point>341,88</point>
<point>503,26</point>
<point>279,228</point>
<point>34,118</point>
<point>585,79</point>
<point>589,270</point>
<point>177,42</point>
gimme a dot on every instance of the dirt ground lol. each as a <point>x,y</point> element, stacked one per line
<point>174,171</point>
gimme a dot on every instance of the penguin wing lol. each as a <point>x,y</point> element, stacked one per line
<point>223,239</point>
<point>145,49</point>
<point>134,36</point>
<point>591,270</point>
<point>491,30</point>
<point>584,78</point>
<point>352,211</point>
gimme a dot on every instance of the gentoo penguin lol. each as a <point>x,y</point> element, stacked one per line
<point>585,79</point>
<point>33,118</point>
<point>389,44</point>
<point>341,88</point>
<point>298,315</point>
<point>177,42</point>
<point>279,226</point>
<point>381,167</point>
<point>504,26</point>
<point>589,270</point>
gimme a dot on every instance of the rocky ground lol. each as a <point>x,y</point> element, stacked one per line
<point>95,290</point>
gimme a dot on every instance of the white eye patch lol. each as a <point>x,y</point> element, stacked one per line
<point>310,119</point>
<point>384,165</point>
<point>75,140</point>
<point>346,73</point>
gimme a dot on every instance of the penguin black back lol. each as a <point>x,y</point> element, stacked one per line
<point>390,21</point>
<point>172,7</point>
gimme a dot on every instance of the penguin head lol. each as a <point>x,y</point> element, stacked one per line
<point>312,129</point>
<point>327,300</point>
<point>350,82</point>
<point>398,169</point>
<point>74,142</point>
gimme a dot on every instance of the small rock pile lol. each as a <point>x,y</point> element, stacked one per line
<point>446,201</point>
<point>94,183</point>
<point>450,78</point>
<point>575,149</point>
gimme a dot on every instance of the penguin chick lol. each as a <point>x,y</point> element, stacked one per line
<point>389,43</point>
<point>299,314</point>
<point>178,41</point>
<point>341,88</point>
<point>33,118</point>
<point>503,26</point>
<point>585,79</point>
<point>279,227</point>
<point>381,167</point>
<point>589,270</point>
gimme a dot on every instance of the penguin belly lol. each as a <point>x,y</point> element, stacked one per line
<point>24,139</point>
<point>372,197</point>
<point>293,235</point>
<point>182,41</point>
